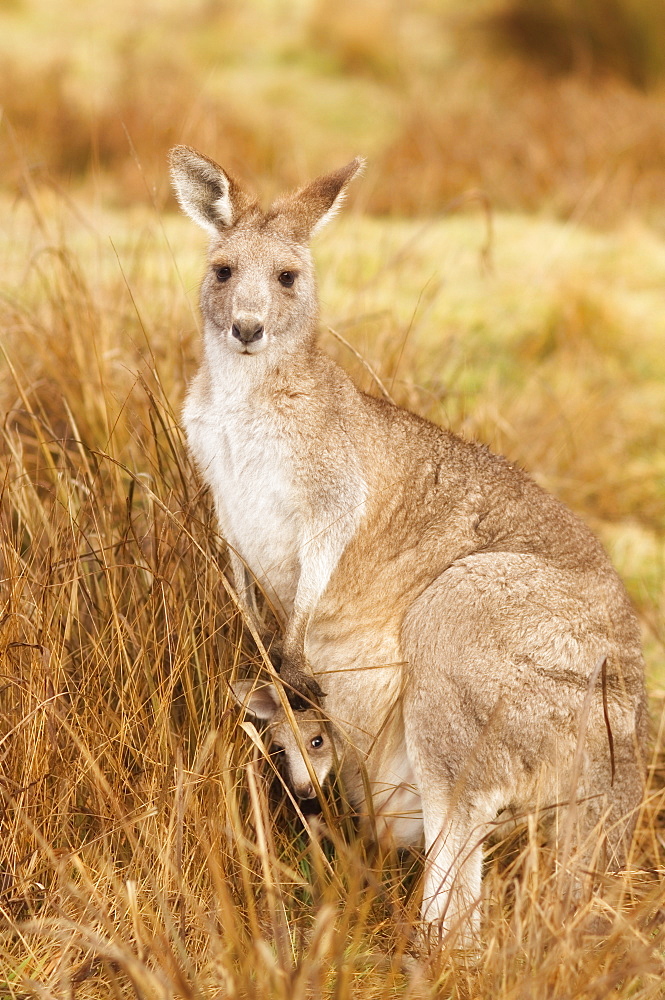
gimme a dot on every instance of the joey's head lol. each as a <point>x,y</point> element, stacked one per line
<point>259,292</point>
<point>262,701</point>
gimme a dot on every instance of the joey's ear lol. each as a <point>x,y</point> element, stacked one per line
<point>311,207</point>
<point>260,700</point>
<point>208,196</point>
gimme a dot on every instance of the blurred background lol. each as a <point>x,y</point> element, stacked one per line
<point>546,105</point>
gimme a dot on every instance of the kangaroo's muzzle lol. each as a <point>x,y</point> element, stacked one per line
<point>247,331</point>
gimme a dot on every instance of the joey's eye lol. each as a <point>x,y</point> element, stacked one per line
<point>287,278</point>
<point>277,748</point>
<point>222,273</point>
<point>316,742</point>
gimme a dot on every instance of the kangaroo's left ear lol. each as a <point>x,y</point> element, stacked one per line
<point>311,207</point>
<point>261,700</point>
<point>206,193</point>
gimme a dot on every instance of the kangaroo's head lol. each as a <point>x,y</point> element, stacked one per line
<point>263,702</point>
<point>259,292</point>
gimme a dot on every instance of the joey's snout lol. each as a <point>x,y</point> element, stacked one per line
<point>247,330</point>
<point>305,791</point>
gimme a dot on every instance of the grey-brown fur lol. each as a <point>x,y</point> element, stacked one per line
<point>453,612</point>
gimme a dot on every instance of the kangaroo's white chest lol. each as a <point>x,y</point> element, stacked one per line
<point>249,468</point>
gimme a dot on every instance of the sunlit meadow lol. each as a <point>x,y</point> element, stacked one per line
<point>499,269</point>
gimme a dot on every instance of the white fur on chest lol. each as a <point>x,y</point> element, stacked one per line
<point>249,468</point>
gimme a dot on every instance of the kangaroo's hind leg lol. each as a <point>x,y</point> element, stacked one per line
<point>500,651</point>
<point>455,826</point>
<point>458,810</point>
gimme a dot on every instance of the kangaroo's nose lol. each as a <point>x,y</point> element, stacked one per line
<point>307,792</point>
<point>247,331</point>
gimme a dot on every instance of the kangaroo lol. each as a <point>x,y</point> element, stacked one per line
<point>476,647</point>
<point>322,741</point>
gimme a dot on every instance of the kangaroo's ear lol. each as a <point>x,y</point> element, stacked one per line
<point>261,700</point>
<point>311,207</point>
<point>208,195</point>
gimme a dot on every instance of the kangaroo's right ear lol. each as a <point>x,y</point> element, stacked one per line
<point>312,206</point>
<point>208,195</point>
<point>261,700</point>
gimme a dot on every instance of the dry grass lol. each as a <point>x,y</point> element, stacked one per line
<point>147,846</point>
<point>581,148</point>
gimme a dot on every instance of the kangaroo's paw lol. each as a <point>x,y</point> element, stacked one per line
<point>302,689</point>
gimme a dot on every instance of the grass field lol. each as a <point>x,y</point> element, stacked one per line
<point>146,847</point>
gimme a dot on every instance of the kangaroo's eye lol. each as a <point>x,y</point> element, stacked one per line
<point>277,748</point>
<point>287,278</point>
<point>222,273</point>
<point>316,742</point>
